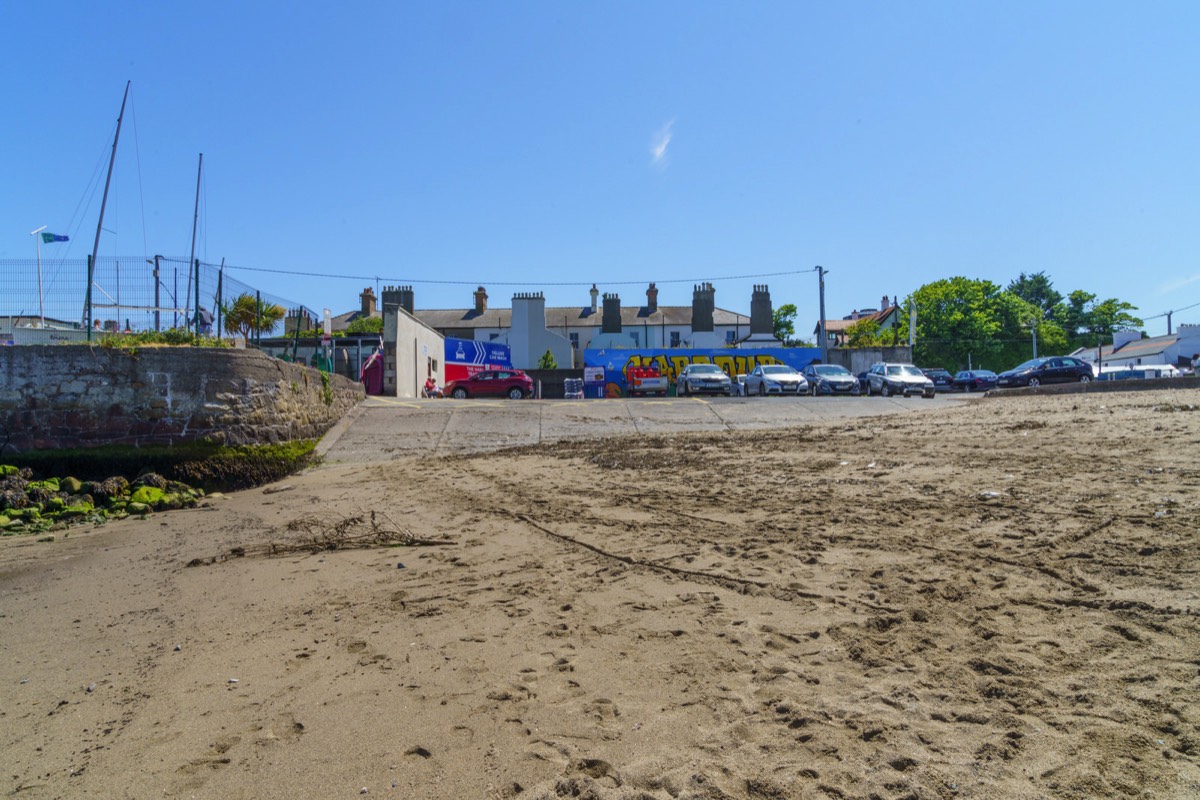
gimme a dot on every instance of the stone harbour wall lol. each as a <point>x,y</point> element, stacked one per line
<point>67,396</point>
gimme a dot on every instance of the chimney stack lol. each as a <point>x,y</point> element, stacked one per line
<point>595,293</point>
<point>761,316</point>
<point>480,300</point>
<point>652,299</point>
<point>611,322</point>
<point>390,297</point>
<point>368,302</point>
<point>703,305</point>
<point>406,298</point>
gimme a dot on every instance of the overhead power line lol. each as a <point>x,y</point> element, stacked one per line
<point>513,283</point>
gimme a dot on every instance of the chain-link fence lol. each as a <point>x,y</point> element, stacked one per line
<point>137,294</point>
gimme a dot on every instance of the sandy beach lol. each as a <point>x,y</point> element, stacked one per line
<point>995,600</point>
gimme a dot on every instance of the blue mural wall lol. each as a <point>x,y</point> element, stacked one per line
<point>671,361</point>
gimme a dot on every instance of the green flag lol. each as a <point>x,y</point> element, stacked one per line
<point>47,238</point>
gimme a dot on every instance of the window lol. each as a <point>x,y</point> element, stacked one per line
<point>493,337</point>
<point>729,337</point>
<point>674,338</point>
<point>574,340</point>
<point>637,337</point>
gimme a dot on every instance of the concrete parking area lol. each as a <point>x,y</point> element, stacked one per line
<point>383,428</point>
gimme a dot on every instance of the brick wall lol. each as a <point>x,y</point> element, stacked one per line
<point>79,396</point>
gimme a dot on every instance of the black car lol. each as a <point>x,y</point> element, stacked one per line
<point>974,380</point>
<point>1055,369</point>
<point>943,381</point>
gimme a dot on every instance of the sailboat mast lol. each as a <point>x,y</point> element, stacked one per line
<point>103,202</point>
<point>192,258</point>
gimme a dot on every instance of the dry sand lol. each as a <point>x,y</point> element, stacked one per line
<point>995,601</point>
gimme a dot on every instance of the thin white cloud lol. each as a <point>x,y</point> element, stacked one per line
<point>1177,285</point>
<point>662,139</point>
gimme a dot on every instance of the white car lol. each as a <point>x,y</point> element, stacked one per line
<point>703,379</point>
<point>768,379</point>
<point>902,379</point>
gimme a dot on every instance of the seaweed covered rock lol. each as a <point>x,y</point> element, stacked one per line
<point>108,489</point>
<point>13,498</point>
<point>152,479</point>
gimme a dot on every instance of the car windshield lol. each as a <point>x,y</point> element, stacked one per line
<point>831,369</point>
<point>906,370</point>
<point>778,369</point>
<point>705,369</point>
<point>1030,364</point>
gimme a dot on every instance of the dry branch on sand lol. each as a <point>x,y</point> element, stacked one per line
<point>318,534</point>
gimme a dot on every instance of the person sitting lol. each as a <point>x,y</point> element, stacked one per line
<point>431,388</point>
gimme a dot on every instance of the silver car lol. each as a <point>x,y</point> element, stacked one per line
<point>768,379</point>
<point>904,379</point>
<point>703,379</point>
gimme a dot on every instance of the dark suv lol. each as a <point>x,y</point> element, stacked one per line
<point>1055,369</point>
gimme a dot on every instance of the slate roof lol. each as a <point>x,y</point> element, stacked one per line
<point>631,317</point>
<point>1138,348</point>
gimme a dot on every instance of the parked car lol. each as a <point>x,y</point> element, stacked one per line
<point>1055,369</point>
<point>862,381</point>
<point>768,379</point>
<point>831,379</point>
<point>975,380</point>
<point>703,379</point>
<point>943,381</point>
<point>905,379</point>
<point>511,383</point>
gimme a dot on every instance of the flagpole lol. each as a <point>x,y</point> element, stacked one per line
<point>38,239</point>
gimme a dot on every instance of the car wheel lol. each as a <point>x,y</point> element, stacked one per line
<point>515,393</point>
<point>868,389</point>
<point>762,390</point>
<point>1085,378</point>
<point>459,394</point>
<point>885,391</point>
<point>1034,383</point>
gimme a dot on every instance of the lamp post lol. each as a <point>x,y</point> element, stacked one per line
<point>38,239</point>
<point>821,273</point>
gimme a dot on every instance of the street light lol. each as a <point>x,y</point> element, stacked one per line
<point>38,239</point>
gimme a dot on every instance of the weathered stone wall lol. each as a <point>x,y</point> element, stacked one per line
<point>77,396</point>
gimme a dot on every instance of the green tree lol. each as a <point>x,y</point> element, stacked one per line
<point>547,361</point>
<point>1083,316</point>
<point>961,318</point>
<point>783,322</point>
<point>366,325</point>
<point>867,333</point>
<point>245,314</point>
<point>1037,290</point>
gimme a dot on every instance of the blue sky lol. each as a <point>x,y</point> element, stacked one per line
<point>619,143</point>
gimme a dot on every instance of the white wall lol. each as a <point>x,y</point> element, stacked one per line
<point>417,347</point>
<point>529,338</point>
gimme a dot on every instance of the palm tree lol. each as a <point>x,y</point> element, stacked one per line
<point>247,314</point>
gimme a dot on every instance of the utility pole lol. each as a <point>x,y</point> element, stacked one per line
<point>821,272</point>
<point>1034,337</point>
<point>1168,320</point>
